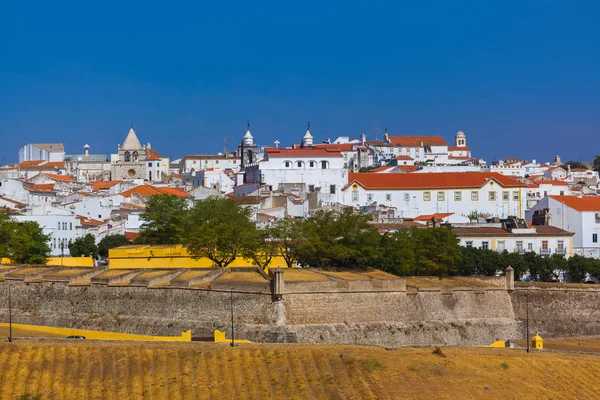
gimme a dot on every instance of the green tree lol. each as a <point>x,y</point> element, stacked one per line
<point>397,253</point>
<point>7,227</point>
<point>289,234</point>
<point>437,252</point>
<point>575,164</point>
<point>29,244</point>
<point>596,164</point>
<point>84,247</point>
<point>577,268</point>
<point>221,230</point>
<point>166,220</point>
<point>343,239</point>
<point>110,242</point>
<point>261,247</point>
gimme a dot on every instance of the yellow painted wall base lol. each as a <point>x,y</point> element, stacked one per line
<point>498,343</point>
<point>219,337</point>
<point>99,335</point>
<point>169,256</point>
<point>71,261</point>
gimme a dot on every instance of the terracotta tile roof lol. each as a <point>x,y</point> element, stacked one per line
<point>41,188</point>
<point>104,185</point>
<point>402,157</point>
<point>417,141</point>
<point>62,178</point>
<point>341,147</point>
<point>553,182</point>
<point>437,180</point>
<point>87,221</point>
<point>438,216</point>
<point>30,163</point>
<point>18,204</point>
<point>379,170</point>
<point>578,170</point>
<point>125,206</point>
<point>152,155</point>
<point>149,190</point>
<point>580,203</point>
<point>490,231</point>
<point>242,200</point>
<point>456,148</point>
<point>131,235</point>
<point>41,165</point>
<point>310,152</point>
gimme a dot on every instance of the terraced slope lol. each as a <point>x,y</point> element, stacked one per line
<point>83,370</point>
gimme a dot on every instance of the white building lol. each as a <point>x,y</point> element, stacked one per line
<point>61,225</point>
<point>578,214</point>
<point>539,189</point>
<point>315,169</point>
<point>193,163</point>
<point>543,240</point>
<point>42,151</point>
<point>419,194</point>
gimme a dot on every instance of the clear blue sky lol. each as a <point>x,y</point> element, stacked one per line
<point>519,78</point>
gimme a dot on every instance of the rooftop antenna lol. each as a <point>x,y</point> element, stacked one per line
<point>225,143</point>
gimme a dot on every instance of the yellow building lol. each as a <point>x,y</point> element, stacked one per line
<point>170,256</point>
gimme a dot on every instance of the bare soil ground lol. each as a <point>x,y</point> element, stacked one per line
<point>143,370</point>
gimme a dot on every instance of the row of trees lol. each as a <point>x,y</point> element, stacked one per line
<point>23,242</point>
<point>86,246</point>
<point>222,231</point>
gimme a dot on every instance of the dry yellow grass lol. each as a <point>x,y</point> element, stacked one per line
<point>28,271</point>
<point>379,274</point>
<point>84,370</point>
<point>188,275</point>
<point>67,272</point>
<point>345,275</point>
<point>302,275</point>
<point>242,276</point>
<point>152,274</point>
<point>112,273</point>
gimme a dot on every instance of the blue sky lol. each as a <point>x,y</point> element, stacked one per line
<point>519,78</point>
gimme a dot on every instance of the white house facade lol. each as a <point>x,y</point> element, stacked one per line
<point>433,193</point>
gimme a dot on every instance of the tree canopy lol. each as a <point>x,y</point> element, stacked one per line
<point>110,242</point>
<point>23,242</point>
<point>166,220</point>
<point>84,247</point>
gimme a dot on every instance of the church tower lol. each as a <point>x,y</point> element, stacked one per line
<point>460,139</point>
<point>248,149</point>
<point>307,140</point>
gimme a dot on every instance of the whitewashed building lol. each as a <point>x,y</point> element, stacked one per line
<point>578,214</point>
<point>423,194</point>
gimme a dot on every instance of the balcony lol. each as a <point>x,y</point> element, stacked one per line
<point>545,252</point>
<point>560,251</point>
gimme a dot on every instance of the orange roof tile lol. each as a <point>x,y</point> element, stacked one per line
<point>415,141</point>
<point>149,190</point>
<point>403,157</point>
<point>152,155</point>
<point>456,148</point>
<point>301,153</point>
<point>580,203</point>
<point>437,180</point>
<point>32,162</point>
<point>341,147</point>
<point>62,178</point>
<point>438,216</point>
<point>104,185</point>
<point>41,187</point>
<point>87,221</point>
<point>131,235</point>
<point>18,204</point>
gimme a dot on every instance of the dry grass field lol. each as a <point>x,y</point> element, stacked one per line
<point>137,370</point>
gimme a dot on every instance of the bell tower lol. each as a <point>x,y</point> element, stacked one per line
<point>460,139</point>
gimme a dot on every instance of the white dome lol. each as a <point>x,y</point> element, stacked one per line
<point>460,134</point>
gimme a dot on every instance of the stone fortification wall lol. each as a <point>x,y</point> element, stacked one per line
<point>373,313</point>
<point>557,311</point>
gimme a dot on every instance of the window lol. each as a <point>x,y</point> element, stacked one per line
<point>501,246</point>
<point>544,245</point>
<point>287,164</point>
<point>150,165</point>
<point>485,245</point>
<point>323,164</point>
<point>299,164</point>
<point>355,195</point>
<point>594,238</point>
<point>54,242</point>
<point>59,226</point>
<point>311,188</point>
<point>560,244</point>
<point>457,196</point>
<point>332,189</point>
<point>64,226</point>
<point>388,197</point>
<point>369,197</point>
<point>519,246</point>
<point>406,196</point>
<point>311,164</point>
<point>426,196</point>
<point>505,196</point>
<point>469,243</point>
<point>70,226</point>
<point>516,196</point>
<point>441,196</point>
<point>492,196</point>
<point>529,246</point>
<point>474,196</point>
